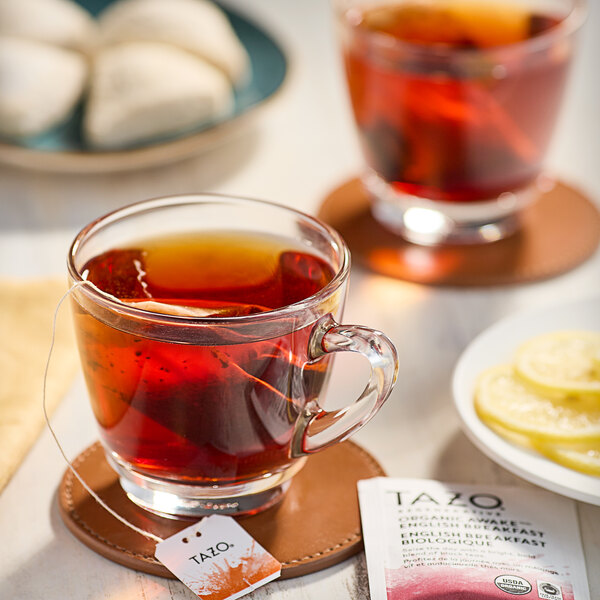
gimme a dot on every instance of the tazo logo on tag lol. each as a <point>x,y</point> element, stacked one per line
<point>211,552</point>
<point>217,559</point>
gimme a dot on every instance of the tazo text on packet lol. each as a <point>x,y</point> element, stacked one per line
<point>429,540</point>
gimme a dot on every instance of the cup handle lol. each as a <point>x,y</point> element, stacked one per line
<point>317,428</point>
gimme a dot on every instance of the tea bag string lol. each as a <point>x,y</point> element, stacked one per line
<point>89,490</point>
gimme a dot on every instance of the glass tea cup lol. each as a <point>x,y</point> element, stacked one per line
<point>455,102</point>
<point>206,326</point>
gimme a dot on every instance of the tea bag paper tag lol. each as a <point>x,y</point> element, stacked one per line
<point>217,559</point>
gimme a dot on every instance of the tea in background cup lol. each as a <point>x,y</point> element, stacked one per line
<point>455,102</point>
<point>206,343</point>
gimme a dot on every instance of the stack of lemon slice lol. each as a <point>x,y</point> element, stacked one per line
<point>548,398</point>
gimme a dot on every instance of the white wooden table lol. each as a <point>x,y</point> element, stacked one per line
<point>300,147</point>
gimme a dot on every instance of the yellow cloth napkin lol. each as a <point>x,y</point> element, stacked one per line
<point>26,313</point>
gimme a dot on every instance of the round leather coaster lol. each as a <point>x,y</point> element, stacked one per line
<point>558,232</point>
<point>316,525</point>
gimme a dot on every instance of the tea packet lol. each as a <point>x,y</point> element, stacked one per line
<point>431,540</point>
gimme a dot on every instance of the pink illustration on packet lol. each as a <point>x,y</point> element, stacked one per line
<point>458,583</point>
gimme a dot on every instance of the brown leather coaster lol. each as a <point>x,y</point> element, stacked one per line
<point>315,526</point>
<point>559,231</point>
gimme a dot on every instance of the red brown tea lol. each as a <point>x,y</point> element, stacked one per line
<point>217,413</point>
<point>442,117</point>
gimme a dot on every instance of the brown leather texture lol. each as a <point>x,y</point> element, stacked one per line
<point>558,232</point>
<point>316,525</point>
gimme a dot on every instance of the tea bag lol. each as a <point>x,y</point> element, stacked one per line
<point>120,273</point>
<point>218,310</point>
<point>301,275</point>
<point>125,279</point>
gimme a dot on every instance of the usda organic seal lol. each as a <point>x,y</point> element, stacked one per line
<point>513,584</point>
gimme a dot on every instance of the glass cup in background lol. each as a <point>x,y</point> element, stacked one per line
<point>455,103</point>
<point>213,410</point>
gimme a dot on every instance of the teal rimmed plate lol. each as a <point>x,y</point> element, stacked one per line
<point>63,150</point>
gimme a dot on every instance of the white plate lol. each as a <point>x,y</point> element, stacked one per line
<point>63,150</point>
<point>497,345</point>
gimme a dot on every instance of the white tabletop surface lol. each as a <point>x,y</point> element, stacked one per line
<point>299,148</point>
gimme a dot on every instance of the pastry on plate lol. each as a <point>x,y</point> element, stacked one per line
<point>58,22</point>
<point>198,26</point>
<point>39,85</point>
<point>142,91</point>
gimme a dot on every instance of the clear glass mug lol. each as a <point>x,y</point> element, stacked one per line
<point>454,133</point>
<point>203,415</point>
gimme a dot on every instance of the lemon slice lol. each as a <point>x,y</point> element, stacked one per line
<point>562,363</point>
<point>519,439</point>
<point>582,458</point>
<point>596,365</point>
<point>502,398</point>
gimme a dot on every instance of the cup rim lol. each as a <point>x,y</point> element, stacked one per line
<point>108,301</point>
<point>566,27</point>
